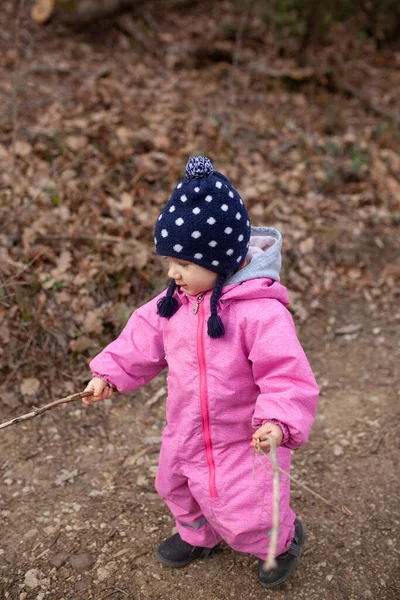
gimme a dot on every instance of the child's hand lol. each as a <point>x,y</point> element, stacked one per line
<point>101,391</point>
<point>267,429</point>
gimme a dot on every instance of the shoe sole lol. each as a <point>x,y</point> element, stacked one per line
<point>174,564</point>
<point>282,580</point>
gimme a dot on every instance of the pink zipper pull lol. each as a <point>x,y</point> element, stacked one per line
<point>196,306</point>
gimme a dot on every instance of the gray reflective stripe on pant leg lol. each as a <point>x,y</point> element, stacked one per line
<point>195,525</point>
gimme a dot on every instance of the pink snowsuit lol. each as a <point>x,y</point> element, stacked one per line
<point>219,392</point>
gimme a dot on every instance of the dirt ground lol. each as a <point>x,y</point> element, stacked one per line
<point>80,518</point>
<point>106,118</point>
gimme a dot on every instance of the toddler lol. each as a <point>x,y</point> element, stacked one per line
<point>236,372</point>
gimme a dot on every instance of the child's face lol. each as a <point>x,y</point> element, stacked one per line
<point>192,278</point>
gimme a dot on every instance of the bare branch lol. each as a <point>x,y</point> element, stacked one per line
<point>42,409</point>
<point>271,563</point>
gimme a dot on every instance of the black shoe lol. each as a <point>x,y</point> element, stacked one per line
<point>175,552</point>
<point>286,562</point>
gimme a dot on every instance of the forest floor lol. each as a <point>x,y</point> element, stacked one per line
<point>107,117</point>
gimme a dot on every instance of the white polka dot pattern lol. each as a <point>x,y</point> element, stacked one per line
<point>204,220</point>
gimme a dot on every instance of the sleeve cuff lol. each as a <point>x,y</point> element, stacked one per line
<point>283,426</point>
<point>104,378</point>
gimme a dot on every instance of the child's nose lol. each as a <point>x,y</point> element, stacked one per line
<point>173,272</point>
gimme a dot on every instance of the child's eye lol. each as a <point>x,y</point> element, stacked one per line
<point>182,264</point>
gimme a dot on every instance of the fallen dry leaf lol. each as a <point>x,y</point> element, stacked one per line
<point>29,386</point>
<point>92,323</point>
<point>76,142</point>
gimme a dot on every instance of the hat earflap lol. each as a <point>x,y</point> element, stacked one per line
<point>168,305</point>
<point>215,326</point>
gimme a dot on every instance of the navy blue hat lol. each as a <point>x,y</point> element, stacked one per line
<point>204,222</point>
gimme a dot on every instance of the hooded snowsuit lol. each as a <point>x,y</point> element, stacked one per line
<point>219,392</point>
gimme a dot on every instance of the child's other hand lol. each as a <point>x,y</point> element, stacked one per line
<point>267,429</point>
<point>101,391</point>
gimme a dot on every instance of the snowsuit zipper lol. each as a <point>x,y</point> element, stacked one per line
<point>204,397</point>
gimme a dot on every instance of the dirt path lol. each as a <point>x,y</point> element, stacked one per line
<point>80,518</point>
<point>104,127</point>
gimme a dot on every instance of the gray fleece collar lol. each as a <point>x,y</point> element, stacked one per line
<point>264,256</point>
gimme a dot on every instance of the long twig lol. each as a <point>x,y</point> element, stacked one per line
<point>224,130</point>
<point>271,563</point>
<point>14,107</point>
<point>42,409</point>
<point>342,509</point>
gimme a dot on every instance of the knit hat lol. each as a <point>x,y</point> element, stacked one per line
<point>204,222</point>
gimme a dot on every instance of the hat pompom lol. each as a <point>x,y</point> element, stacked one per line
<point>198,166</point>
<point>168,305</point>
<point>215,326</point>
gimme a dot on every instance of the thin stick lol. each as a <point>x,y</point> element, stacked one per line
<point>343,509</point>
<point>271,563</point>
<point>231,96</point>
<point>305,487</point>
<point>14,107</point>
<point>42,409</point>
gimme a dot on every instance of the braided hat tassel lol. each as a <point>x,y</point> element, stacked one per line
<point>215,326</point>
<point>168,305</point>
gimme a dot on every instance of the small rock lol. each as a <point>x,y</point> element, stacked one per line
<point>23,596</point>
<point>84,584</point>
<point>32,578</point>
<point>106,571</point>
<point>59,559</point>
<point>96,493</point>
<point>81,561</point>
<point>337,450</point>
<point>65,476</point>
<point>348,329</point>
<point>149,440</point>
<point>142,481</point>
<point>31,533</point>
